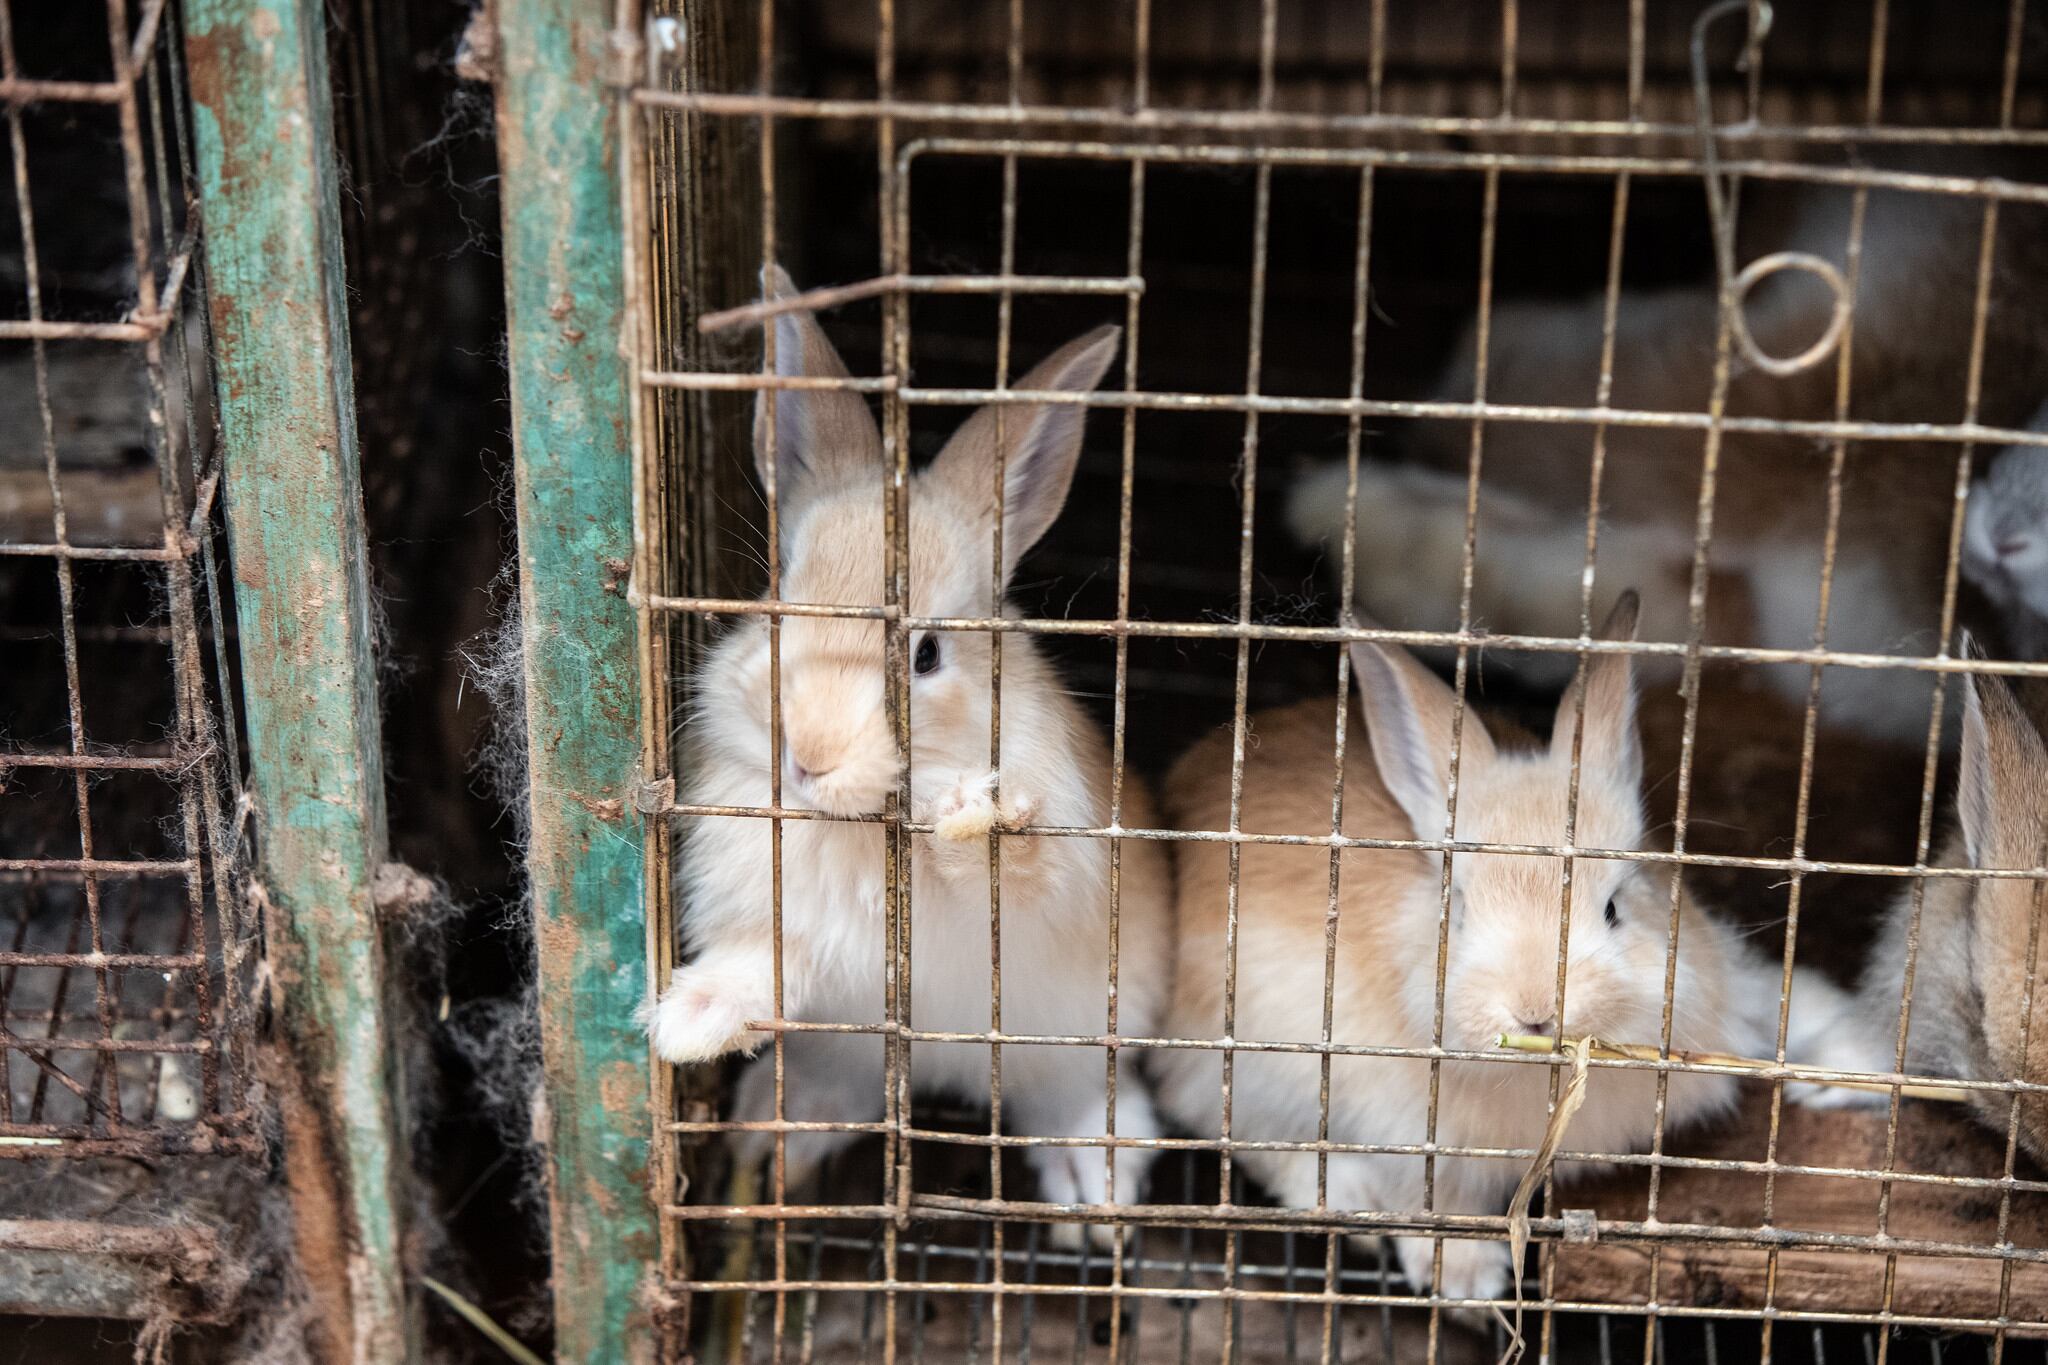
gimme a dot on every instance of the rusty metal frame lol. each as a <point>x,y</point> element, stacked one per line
<point>261,100</point>
<point>1260,140</point>
<point>198,1038</point>
<point>592,851</point>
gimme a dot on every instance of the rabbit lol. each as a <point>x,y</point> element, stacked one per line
<point>1409,570</point>
<point>1911,342</point>
<point>2005,541</point>
<point>839,758</point>
<point>1502,951</point>
<point>1969,979</point>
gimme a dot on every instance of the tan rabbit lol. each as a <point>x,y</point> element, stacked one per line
<point>839,757</point>
<point>1500,975</point>
<point>1970,978</point>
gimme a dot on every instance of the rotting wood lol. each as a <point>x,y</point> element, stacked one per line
<point>1932,1139</point>
<point>268,181</point>
<point>97,1269</point>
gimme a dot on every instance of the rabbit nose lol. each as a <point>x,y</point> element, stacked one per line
<point>804,771</point>
<point>1540,1025</point>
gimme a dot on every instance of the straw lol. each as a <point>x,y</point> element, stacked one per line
<point>1638,1052</point>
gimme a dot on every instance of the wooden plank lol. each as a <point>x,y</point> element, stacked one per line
<point>102,507</point>
<point>572,396</point>
<point>107,1270</point>
<point>1933,1139</point>
<point>293,491</point>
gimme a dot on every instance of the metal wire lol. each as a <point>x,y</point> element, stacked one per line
<point>122,981</point>
<point>888,1250</point>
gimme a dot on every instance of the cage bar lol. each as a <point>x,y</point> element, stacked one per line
<point>563,148</point>
<point>264,124</point>
<point>900,95</point>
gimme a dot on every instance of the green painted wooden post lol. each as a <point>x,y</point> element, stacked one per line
<point>294,501</point>
<point>558,151</point>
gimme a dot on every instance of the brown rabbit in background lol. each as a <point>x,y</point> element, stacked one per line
<point>1970,998</point>
<point>1910,347</point>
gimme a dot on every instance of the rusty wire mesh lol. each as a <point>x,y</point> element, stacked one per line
<point>1524,95</point>
<point>124,974</point>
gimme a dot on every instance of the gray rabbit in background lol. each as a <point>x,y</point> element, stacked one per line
<point>2005,541</point>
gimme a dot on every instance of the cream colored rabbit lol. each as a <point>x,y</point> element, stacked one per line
<point>1970,1001</point>
<point>839,758</point>
<point>1503,951</point>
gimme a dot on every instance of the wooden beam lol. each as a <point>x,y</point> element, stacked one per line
<point>268,184</point>
<point>573,397</point>
<point>1933,1139</point>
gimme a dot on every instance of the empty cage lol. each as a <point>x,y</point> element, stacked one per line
<point>125,983</point>
<point>1438,329</point>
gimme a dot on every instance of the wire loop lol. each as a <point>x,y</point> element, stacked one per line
<point>1736,285</point>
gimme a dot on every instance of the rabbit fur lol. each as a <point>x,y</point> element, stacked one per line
<point>1502,949</point>
<point>840,758</point>
<point>1910,345</point>
<point>2005,541</point>
<point>1970,999</point>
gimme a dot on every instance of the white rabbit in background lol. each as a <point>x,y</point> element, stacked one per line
<point>839,757</point>
<point>1503,952</point>
<point>2005,541</point>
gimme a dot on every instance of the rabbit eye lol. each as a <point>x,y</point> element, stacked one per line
<point>1613,915</point>
<point>927,654</point>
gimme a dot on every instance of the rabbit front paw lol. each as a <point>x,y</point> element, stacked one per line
<point>1471,1270</point>
<point>966,812</point>
<point>696,1019</point>
<point>962,818</point>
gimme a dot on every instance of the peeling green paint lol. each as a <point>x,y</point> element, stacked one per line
<point>261,105</point>
<point>565,302</point>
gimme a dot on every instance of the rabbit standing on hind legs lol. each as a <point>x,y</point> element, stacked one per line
<point>840,758</point>
<point>1502,952</point>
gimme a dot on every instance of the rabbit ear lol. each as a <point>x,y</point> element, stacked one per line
<point>1408,710</point>
<point>820,436</point>
<point>1612,743</point>
<point>2003,778</point>
<point>1040,444</point>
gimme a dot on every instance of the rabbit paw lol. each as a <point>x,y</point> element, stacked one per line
<point>1075,1175</point>
<point>962,818</point>
<point>696,1020</point>
<point>966,812</point>
<point>1847,1052</point>
<point>1835,1097</point>
<point>1472,1270</point>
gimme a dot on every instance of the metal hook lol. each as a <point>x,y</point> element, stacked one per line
<point>1736,285</point>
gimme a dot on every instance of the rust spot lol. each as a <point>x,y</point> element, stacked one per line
<point>558,940</point>
<point>616,571</point>
<point>561,305</point>
<point>622,1087</point>
<point>572,335</point>
<point>318,1222</point>
<point>203,67</point>
<point>608,808</point>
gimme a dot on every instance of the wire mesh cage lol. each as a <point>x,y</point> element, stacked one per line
<point>1440,330</point>
<point>124,981</point>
